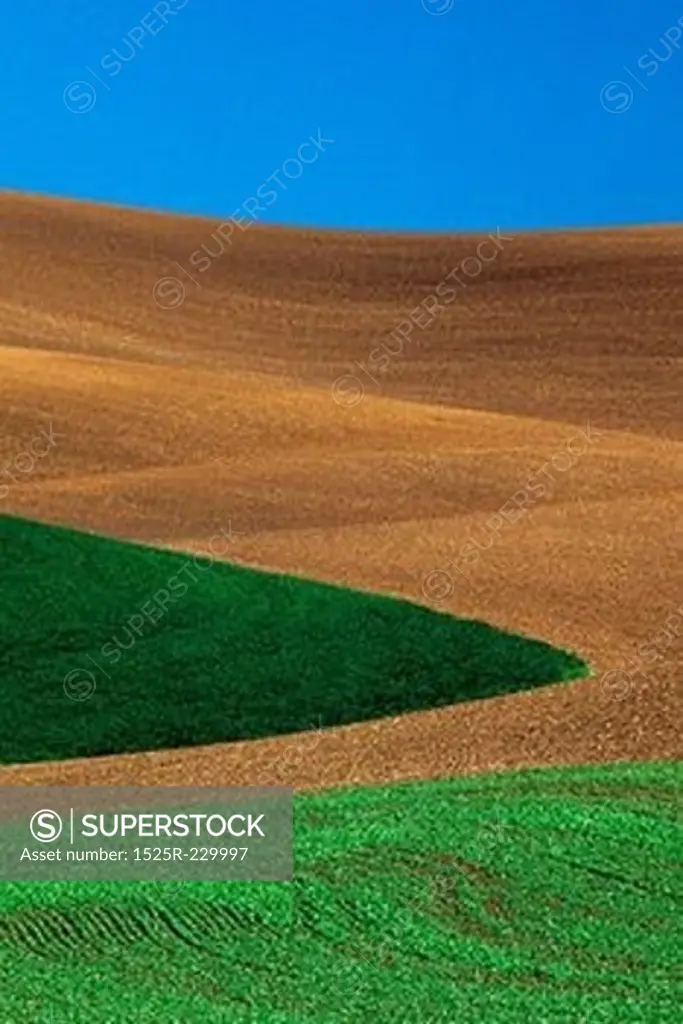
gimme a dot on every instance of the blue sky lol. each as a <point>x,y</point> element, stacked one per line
<point>487,114</point>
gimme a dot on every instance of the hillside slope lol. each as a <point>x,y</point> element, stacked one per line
<point>167,425</point>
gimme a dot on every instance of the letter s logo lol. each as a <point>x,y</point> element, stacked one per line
<point>46,826</point>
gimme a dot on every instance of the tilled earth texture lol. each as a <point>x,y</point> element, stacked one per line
<point>492,429</point>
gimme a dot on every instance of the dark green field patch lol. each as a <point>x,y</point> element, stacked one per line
<point>232,654</point>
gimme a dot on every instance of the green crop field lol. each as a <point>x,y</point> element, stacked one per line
<point>547,895</point>
<point>528,896</point>
<point>183,651</point>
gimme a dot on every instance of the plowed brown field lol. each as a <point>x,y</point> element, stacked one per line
<point>170,424</point>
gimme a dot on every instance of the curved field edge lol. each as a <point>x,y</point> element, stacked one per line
<point>111,647</point>
<point>551,893</point>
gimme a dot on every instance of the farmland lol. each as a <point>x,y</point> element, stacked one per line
<point>95,662</point>
<point>450,623</point>
<point>545,894</point>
